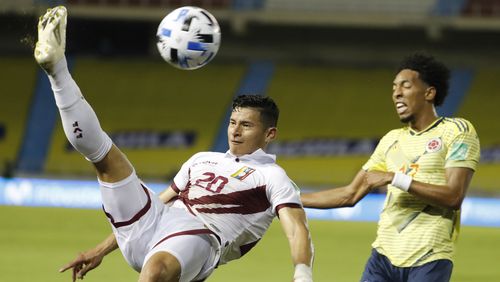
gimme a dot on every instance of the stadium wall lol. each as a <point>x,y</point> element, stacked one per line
<point>86,194</point>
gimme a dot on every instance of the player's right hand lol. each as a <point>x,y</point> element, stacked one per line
<point>51,42</point>
<point>83,263</point>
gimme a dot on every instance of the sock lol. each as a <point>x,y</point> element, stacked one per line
<point>79,120</point>
<point>66,92</point>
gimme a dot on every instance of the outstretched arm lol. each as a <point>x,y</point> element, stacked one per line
<point>346,196</point>
<point>450,195</point>
<point>91,259</point>
<point>294,224</point>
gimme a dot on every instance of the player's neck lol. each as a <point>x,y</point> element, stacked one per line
<point>423,121</point>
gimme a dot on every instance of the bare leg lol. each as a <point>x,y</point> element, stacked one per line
<point>80,123</point>
<point>161,266</point>
<point>122,193</point>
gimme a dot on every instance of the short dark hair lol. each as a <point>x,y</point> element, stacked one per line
<point>430,71</point>
<point>268,109</point>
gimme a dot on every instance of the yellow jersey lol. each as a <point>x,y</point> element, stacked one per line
<point>410,231</point>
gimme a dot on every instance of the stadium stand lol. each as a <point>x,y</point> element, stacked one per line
<point>338,96</point>
<point>322,103</point>
<point>481,8</point>
<point>481,102</point>
<point>136,96</point>
<point>359,7</point>
<point>325,103</point>
<point>18,80</point>
<point>337,61</point>
<point>481,107</point>
<point>155,3</point>
<point>331,102</point>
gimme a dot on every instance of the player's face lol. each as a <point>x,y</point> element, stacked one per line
<point>410,95</point>
<point>246,133</point>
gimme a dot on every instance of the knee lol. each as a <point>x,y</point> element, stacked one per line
<point>154,272</point>
<point>161,267</point>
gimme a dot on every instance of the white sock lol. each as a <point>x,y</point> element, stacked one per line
<point>79,120</point>
<point>66,92</point>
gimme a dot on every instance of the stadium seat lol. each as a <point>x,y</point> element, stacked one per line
<point>18,82</point>
<point>480,107</point>
<point>331,103</point>
<point>482,8</point>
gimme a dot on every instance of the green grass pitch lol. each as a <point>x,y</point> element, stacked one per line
<point>35,242</point>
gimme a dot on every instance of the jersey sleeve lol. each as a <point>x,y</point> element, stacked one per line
<point>464,149</point>
<point>181,179</point>
<point>283,192</point>
<point>377,159</point>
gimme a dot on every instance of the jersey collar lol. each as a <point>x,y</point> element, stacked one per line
<point>431,126</point>
<point>259,156</point>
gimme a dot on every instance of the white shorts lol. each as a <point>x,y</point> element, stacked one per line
<point>194,253</point>
<point>144,225</point>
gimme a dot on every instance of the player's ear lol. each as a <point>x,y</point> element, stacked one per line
<point>271,133</point>
<point>430,93</point>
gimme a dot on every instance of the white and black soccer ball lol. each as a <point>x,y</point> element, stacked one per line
<point>188,37</point>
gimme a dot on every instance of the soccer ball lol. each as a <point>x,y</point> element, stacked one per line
<point>188,37</point>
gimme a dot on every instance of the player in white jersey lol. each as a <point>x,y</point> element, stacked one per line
<point>427,166</point>
<point>249,191</point>
<point>218,206</point>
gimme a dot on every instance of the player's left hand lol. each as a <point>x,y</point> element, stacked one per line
<point>376,179</point>
<point>83,263</point>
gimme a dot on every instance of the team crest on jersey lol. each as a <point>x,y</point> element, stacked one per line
<point>243,173</point>
<point>433,145</point>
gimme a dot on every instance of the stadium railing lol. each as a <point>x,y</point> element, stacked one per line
<point>155,3</point>
<point>433,16</point>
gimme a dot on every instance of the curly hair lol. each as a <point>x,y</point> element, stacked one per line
<point>430,71</point>
<point>268,109</point>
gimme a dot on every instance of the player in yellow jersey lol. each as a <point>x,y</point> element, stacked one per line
<point>427,166</point>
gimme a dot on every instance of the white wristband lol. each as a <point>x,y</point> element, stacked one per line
<point>303,273</point>
<point>401,181</point>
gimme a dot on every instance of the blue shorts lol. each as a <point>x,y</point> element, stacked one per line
<point>379,269</point>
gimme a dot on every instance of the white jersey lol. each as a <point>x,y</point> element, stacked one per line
<point>236,197</point>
